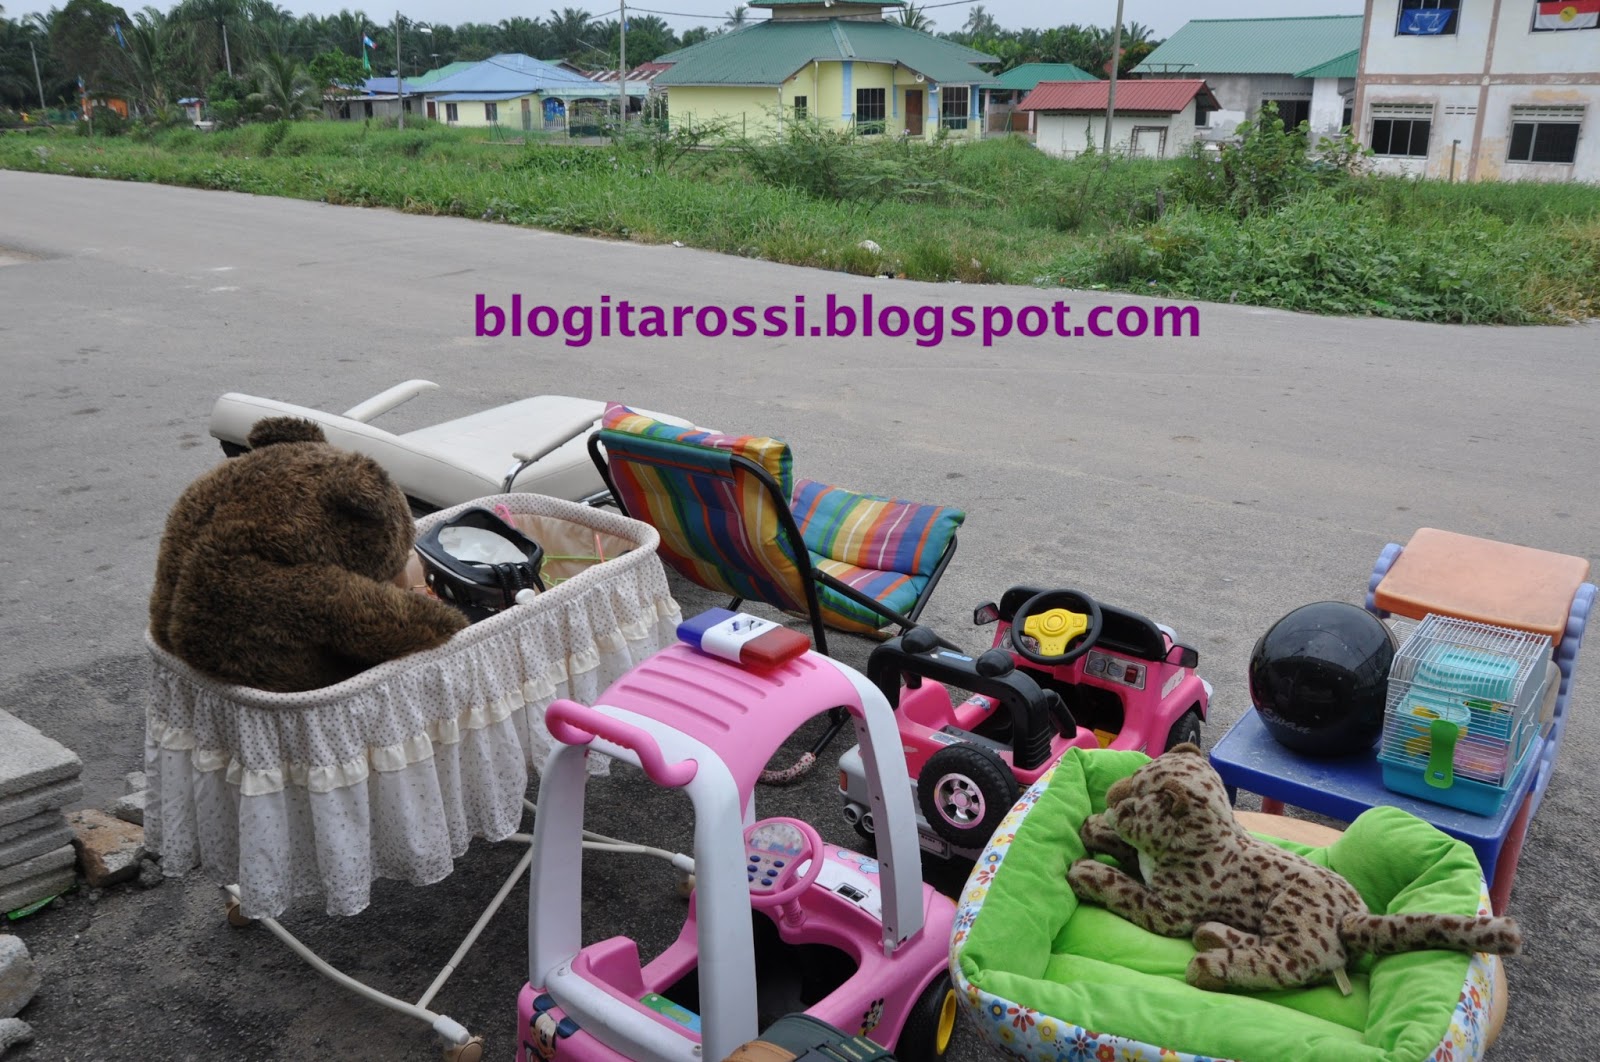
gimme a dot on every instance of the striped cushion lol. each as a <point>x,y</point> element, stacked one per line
<point>873,533</point>
<point>718,524</point>
<point>896,591</point>
<point>771,454</point>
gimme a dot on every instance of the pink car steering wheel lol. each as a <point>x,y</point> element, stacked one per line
<point>774,850</point>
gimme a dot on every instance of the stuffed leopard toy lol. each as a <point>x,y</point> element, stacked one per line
<point>1261,917</point>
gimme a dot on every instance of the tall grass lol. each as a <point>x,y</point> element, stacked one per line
<point>996,211</point>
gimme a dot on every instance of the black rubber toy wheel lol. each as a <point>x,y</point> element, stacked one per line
<point>927,1030</point>
<point>1187,728</point>
<point>964,791</point>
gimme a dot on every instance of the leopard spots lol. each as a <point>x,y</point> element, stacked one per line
<point>1259,917</point>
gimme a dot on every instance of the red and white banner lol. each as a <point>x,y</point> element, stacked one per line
<point>1566,14</point>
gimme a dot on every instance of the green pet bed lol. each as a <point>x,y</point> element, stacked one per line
<point>1052,980</point>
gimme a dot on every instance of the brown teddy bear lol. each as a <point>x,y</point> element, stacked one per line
<point>277,569</point>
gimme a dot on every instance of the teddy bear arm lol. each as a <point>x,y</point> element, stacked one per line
<point>359,619</point>
<point>373,622</point>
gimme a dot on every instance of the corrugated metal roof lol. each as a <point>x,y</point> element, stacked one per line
<point>479,97</point>
<point>1023,78</point>
<point>440,73</point>
<point>1340,66</point>
<point>1254,45</point>
<point>769,53</point>
<point>1155,97</point>
<point>511,72</point>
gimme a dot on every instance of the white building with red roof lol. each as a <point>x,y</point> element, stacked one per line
<point>1152,119</point>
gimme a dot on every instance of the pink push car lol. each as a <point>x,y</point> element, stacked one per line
<point>1065,672</point>
<point>856,941</point>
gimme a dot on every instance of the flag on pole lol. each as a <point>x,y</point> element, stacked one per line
<point>116,28</point>
<point>367,41</point>
<point>1566,14</point>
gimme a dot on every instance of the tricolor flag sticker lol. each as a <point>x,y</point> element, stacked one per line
<point>742,638</point>
<point>1566,14</point>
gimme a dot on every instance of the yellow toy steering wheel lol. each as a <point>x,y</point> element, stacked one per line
<point>1056,619</point>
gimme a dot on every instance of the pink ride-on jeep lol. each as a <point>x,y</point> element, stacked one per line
<point>1065,672</point>
<point>855,941</point>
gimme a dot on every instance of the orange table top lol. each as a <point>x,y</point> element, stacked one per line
<point>1482,581</point>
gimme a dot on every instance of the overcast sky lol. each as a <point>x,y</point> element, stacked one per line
<point>1164,16</point>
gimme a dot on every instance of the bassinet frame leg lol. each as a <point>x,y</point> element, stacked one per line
<point>459,1043</point>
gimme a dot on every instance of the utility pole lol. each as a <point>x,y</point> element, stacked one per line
<point>1111,90</point>
<point>37,80</point>
<point>399,75</point>
<point>227,56</point>
<point>622,66</point>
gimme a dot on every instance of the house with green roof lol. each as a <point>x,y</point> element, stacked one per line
<point>1004,93</point>
<point>1306,65</point>
<point>841,64</point>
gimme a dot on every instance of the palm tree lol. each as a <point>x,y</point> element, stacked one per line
<point>283,89</point>
<point>980,23</point>
<point>16,64</point>
<point>152,57</point>
<point>525,35</point>
<point>914,17</point>
<point>736,17</point>
<point>212,29</point>
<point>1136,33</point>
<point>567,29</point>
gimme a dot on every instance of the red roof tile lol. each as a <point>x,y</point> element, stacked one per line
<point>1160,96</point>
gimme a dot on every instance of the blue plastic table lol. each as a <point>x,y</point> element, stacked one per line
<point>1249,758</point>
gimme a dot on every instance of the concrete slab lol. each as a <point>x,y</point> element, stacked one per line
<point>33,823</point>
<point>19,894</point>
<point>29,759</point>
<point>52,797</point>
<point>38,866</point>
<point>37,843</point>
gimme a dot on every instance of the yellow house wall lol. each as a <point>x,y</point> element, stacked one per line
<point>753,111</point>
<point>748,111</point>
<point>470,113</point>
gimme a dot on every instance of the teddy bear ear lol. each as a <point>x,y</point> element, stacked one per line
<point>272,430</point>
<point>1188,747</point>
<point>361,489</point>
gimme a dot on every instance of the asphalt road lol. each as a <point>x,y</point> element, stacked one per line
<point>1213,483</point>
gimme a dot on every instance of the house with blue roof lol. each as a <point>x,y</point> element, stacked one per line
<point>836,62</point>
<point>515,91</point>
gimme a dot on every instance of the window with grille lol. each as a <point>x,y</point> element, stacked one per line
<point>450,114</point>
<point>953,103</point>
<point>1428,18</point>
<point>1545,134</point>
<point>800,108</point>
<point>491,112</point>
<point>871,108</point>
<point>1401,131</point>
<point>1293,112</point>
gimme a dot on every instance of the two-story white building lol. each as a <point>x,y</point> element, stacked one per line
<point>1482,89</point>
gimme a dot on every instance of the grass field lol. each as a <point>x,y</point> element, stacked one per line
<point>993,212</point>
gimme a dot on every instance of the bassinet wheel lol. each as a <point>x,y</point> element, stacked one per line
<point>927,1030</point>
<point>471,1051</point>
<point>236,917</point>
<point>964,791</point>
